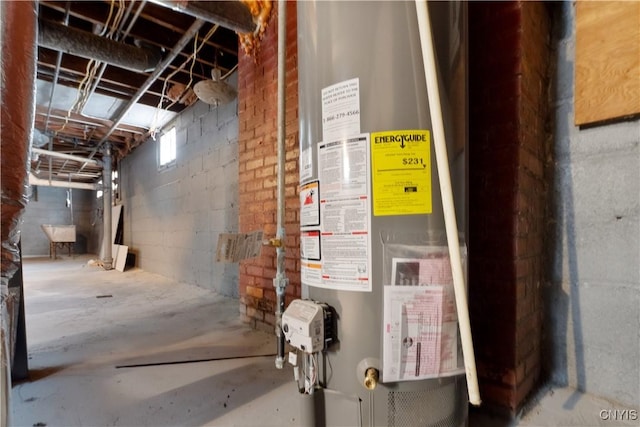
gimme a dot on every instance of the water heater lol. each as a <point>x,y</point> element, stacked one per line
<point>373,243</point>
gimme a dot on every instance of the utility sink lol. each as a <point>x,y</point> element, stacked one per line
<point>59,234</point>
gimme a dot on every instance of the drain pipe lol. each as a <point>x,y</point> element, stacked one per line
<point>107,260</point>
<point>34,180</point>
<point>65,156</point>
<point>444,176</point>
<point>281,281</point>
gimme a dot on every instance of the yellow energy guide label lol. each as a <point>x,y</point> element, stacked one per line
<point>401,172</point>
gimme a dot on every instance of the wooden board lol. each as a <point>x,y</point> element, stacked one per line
<point>121,259</point>
<point>607,81</point>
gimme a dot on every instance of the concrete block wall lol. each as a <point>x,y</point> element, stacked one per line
<point>593,293</point>
<point>172,217</point>
<point>258,170</point>
<point>509,139</point>
<point>47,205</point>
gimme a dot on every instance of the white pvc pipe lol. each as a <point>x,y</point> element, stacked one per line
<point>66,156</point>
<point>34,180</point>
<point>442,162</point>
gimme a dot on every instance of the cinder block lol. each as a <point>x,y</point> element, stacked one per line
<point>593,338</point>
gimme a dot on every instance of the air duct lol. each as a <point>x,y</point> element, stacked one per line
<point>18,65</point>
<point>228,14</point>
<point>88,45</point>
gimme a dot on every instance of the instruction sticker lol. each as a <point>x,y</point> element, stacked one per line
<point>341,110</point>
<point>343,167</point>
<point>310,273</point>
<point>310,245</point>
<point>401,172</point>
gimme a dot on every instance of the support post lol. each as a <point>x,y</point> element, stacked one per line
<point>107,261</point>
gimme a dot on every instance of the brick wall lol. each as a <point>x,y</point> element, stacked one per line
<point>257,98</point>
<point>509,79</point>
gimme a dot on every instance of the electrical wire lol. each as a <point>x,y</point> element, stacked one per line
<point>328,377</point>
<point>93,65</point>
<point>192,58</point>
<point>83,89</point>
<point>314,365</point>
<point>312,368</point>
<point>229,72</point>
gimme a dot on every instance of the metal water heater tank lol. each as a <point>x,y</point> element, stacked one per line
<point>373,242</point>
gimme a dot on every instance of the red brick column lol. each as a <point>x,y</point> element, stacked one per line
<point>257,106</point>
<point>509,107</point>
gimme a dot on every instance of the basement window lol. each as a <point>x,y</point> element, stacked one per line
<point>167,149</point>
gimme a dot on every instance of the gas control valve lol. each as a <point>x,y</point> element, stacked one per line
<point>308,325</point>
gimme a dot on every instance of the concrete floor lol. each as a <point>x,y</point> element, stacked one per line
<point>85,325</point>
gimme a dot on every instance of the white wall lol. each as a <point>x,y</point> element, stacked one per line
<point>593,300</point>
<point>172,218</point>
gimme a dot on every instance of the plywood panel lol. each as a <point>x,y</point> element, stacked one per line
<point>607,82</point>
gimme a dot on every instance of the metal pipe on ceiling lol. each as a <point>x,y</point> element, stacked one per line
<point>88,45</point>
<point>34,180</point>
<point>186,38</point>
<point>66,156</point>
<point>229,14</point>
<point>57,70</point>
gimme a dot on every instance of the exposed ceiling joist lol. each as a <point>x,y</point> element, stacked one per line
<point>115,101</point>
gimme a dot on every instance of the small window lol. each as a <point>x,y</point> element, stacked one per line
<point>167,148</point>
<point>99,192</point>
